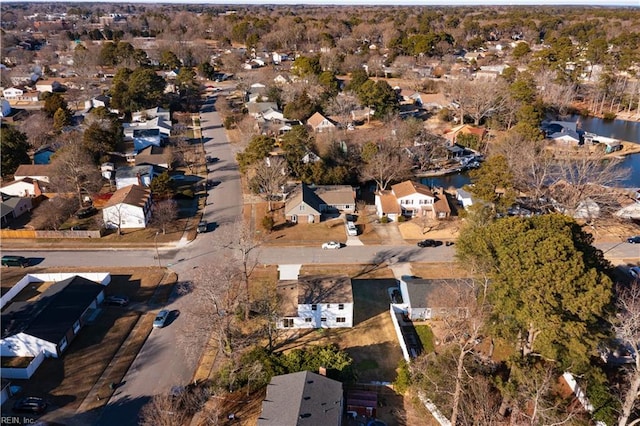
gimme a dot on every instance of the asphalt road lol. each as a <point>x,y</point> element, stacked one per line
<point>162,363</point>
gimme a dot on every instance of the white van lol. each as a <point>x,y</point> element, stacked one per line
<point>351,229</point>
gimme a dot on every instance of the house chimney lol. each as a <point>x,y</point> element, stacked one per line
<point>322,371</point>
<point>139,179</point>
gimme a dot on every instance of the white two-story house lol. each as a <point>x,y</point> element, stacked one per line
<point>411,199</point>
<point>316,302</point>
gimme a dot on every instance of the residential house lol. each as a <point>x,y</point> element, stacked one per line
<point>302,398</point>
<point>43,155</point>
<point>12,93</point>
<point>464,198</point>
<point>49,322</point>
<point>562,131</point>
<point>308,204</point>
<point>5,108</point>
<point>319,123</point>
<point>25,187</point>
<point>413,199</point>
<point>316,302</point>
<point>153,155</point>
<point>48,86</point>
<point>425,299</point>
<point>135,175</point>
<point>39,172</point>
<point>13,207</point>
<point>281,80</point>
<point>101,101</point>
<point>148,127</point>
<point>257,109</point>
<point>279,57</point>
<point>311,157</point>
<point>464,129</point>
<point>128,208</point>
<point>630,211</point>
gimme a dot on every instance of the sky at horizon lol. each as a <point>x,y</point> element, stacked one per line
<point>606,3</point>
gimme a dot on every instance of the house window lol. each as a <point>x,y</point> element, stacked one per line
<point>301,207</point>
<point>308,319</point>
<point>341,319</point>
<point>341,306</point>
<point>76,327</point>
<point>63,344</point>
<point>287,322</point>
<point>314,307</point>
<point>323,319</point>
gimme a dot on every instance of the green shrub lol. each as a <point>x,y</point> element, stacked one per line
<point>403,379</point>
<point>401,218</point>
<point>384,219</point>
<point>609,116</point>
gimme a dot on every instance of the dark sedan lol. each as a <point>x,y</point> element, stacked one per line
<point>429,243</point>
<point>634,239</point>
<point>30,404</point>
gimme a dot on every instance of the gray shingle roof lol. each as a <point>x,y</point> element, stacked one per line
<point>54,313</point>
<point>302,398</point>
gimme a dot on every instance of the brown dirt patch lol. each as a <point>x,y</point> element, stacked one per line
<point>439,270</point>
<point>440,230</point>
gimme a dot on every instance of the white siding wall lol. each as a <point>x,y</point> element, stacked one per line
<point>330,312</point>
<point>125,216</point>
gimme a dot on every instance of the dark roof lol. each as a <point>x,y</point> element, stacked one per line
<point>313,289</point>
<point>305,195</point>
<point>441,293</point>
<point>302,398</point>
<point>128,172</point>
<point>53,314</point>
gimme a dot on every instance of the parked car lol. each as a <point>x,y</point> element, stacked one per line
<point>331,245</point>
<point>10,260</point>
<point>161,319</point>
<point>86,212</point>
<point>634,271</point>
<point>203,226</point>
<point>30,404</point>
<point>634,240</point>
<point>429,243</point>
<point>117,300</point>
<point>352,230</point>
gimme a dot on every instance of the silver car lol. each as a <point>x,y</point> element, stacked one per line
<point>161,319</point>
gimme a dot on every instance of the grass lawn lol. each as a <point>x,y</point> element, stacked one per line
<point>426,338</point>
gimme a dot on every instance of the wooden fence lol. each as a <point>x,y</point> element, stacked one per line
<point>32,234</point>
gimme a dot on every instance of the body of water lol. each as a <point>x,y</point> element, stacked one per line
<point>619,129</point>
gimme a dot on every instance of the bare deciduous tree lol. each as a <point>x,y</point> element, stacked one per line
<point>218,292</point>
<point>73,169</point>
<point>478,98</point>
<point>269,177</point>
<point>164,213</point>
<point>389,164</point>
<point>628,331</point>
<point>162,410</point>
